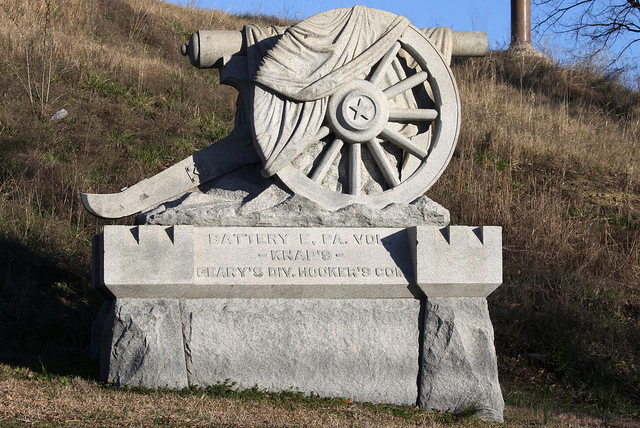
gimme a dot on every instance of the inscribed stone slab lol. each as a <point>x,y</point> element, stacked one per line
<point>276,262</point>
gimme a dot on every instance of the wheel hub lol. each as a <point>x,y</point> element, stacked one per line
<point>358,112</point>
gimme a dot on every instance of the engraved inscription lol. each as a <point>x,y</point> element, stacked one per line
<point>353,272</point>
<point>303,256</point>
<point>229,272</point>
<point>301,272</point>
<point>249,238</point>
<point>285,238</point>
<point>362,238</point>
<point>333,239</point>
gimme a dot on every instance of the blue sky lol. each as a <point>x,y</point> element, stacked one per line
<point>463,15</point>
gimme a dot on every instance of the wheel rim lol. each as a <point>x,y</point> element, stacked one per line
<point>359,114</point>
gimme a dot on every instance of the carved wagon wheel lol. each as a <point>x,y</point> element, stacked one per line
<point>361,114</point>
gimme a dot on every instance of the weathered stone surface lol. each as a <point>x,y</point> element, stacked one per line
<point>245,198</point>
<point>142,344</point>
<point>98,327</point>
<point>133,257</point>
<point>362,349</point>
<point>469,43</point>
<point>101,337</point>
<point>225,155</point>
<point>367,350</point>
<point>208,48</point>
<point>459,367</point>
<point>253,262</point>
<point>299,114</point>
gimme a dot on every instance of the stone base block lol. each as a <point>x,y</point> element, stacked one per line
<point>365,349</point>
<point>438,353</point>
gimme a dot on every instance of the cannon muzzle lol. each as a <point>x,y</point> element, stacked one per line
<point>208,48</point>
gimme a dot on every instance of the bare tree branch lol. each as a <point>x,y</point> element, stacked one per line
<point>592,24</point>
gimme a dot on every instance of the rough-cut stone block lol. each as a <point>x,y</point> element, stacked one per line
<point>244,198</point>
<point>459,367</point>
<point>366,349</point>
<point>144,345</point>
<point>438,351</point>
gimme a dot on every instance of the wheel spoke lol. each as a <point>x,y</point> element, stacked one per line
<point>322,132</point>
<point>403,142</point>
<point>400,72</point>
<point>406,84</point>
<point>384,63</point>
<point>383,163</point>
<point>327,160</point>
<point>355,165</point>
<point>409,114</point>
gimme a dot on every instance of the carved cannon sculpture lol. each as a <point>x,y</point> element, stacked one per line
<point>311,96</point>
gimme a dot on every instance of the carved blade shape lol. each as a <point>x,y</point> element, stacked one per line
<point>217,159</point>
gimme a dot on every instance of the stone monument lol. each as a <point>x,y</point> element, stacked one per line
<point>300,251</point>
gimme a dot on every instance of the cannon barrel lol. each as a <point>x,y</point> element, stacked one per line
<point>208,48</point>
<point>469,43</point>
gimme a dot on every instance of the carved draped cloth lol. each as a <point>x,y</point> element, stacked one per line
<point>295,71</point>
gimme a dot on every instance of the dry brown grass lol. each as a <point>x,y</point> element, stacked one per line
<point>27,400</point>
<point>551,154</point>
<point>562,176</point>
<point>115,67</point>
<point>72,401</point>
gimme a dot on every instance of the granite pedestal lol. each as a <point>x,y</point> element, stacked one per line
<point>387,315</point>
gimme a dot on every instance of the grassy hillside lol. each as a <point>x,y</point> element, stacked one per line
<point>551,154</point>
